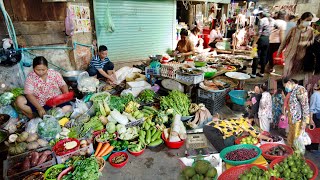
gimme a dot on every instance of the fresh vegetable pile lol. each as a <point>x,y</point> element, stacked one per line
<point>176,100</point>
<point>294,167</point>
<point>119,145</point>
<point>84,169</point>
<point>277,151</point>
<point>241,154</point>
<point>119,103</point>
<point>33,159</point>
<point>119,159</point>
<point>147,96</point>
<point>103,149</point>
<point>201,170</point>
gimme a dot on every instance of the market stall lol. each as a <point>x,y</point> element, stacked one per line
<point>140,114</point>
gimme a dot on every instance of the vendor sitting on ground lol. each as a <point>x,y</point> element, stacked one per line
<point>222,133</point>
<point>101,66</point>
<point>185,46</point>
<point>41,85</point>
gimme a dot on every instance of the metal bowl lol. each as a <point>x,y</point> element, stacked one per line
<point>71,75</point>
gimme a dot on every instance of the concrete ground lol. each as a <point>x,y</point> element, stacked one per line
<point>164,163</point>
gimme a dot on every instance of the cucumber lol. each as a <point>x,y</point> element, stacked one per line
<point>142,140</point>
<point>140,115</point>
<point>155,136</point>
<point>136,113</point>
<point>144,124</point>
<point>150,109</point>
<point>154,130</point>
<point>147,126</point>
<point>159,135</point>
<point>148,137</point>
<point>156,143</point>
<point>145,111</point>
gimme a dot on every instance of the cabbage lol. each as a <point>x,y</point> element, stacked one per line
<point>111,127</point>
<point>121,129</point>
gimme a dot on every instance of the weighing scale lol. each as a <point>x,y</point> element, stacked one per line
<point>197,144</point>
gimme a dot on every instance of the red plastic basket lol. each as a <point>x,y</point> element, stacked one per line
<point>309,162</point>
<point>172,145</point>
<point>266,147</point>
<point>278,60</point>
<point>235,172</point>
<point>314,135</point>
<point>59,149</point>
<point>238,140</point>
<point>62,98</point>
<point>120,165</point>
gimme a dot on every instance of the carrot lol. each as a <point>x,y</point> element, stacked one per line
<point>107,151</point>
<point>104,147</point>
<point>98,149</point>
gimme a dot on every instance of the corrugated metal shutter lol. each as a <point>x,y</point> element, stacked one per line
<point>142,27</point>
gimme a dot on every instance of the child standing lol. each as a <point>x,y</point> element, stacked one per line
<point>265,109</point>
<point>277,106</point>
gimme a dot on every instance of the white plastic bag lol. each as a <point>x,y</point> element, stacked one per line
<point>300,143</point>
<point>32,125</point>
<point>79,108</point>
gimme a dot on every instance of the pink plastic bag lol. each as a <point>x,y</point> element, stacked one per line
<point>69,24</point>
<point>283,122</point>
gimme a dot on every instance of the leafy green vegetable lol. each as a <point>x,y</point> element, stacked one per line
<point>147,96</point>
<point>119,145</point>
<point>85,169</point>
<point>177,101</point>
<point>54,172</point>
<point>120,102</point>
<point>94,123</point>
<point>16,92</point>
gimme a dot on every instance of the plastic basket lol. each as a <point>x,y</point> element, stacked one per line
<point>266,147</point>
<point>235,172</point>
<point>63,98</point>
<point>187,79</point>
<point>278,60</point>
<point>313,167</point>
<point>238,97</point>
<point>81,151</point>
<point>16,160</point>
<point>59,149</point>
<point>226,150</point>
<point>213,101</point>
<point>169,70</point>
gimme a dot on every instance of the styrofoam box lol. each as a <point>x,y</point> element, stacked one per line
<point>136,85</point>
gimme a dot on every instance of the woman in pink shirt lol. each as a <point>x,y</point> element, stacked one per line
<point>41,85</point>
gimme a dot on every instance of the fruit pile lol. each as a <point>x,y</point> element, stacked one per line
<point>254,173</point>
<point>249,140</point>
<point>241,154</point>
<point>201,170</point>
<point>295,167</point>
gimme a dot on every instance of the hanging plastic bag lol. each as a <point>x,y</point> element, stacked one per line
<point>49,128</point>
<point>108,20</point>
<point>32,125</point>
<point>11,125</point>
<point>69,23</point>
<point>283,122</point>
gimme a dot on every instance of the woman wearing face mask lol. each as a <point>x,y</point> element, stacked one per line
<point>296,43</point>
<point>298,109</point>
